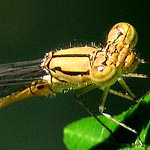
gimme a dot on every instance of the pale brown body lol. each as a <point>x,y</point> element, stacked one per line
<point>77,67</point>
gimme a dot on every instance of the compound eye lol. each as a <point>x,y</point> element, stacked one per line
<point>123,32</point>
<point>102,74</point>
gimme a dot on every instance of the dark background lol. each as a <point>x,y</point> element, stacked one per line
<point>28,29</point>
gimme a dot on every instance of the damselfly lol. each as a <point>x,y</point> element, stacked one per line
<point>77,68</point>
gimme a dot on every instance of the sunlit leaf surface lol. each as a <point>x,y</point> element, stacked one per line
<point>88,133</point>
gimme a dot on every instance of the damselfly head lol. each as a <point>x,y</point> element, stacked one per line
<point>123,33</point>
<point>122,38</point>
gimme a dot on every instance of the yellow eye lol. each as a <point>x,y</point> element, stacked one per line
<point>103,75</point>
<point>123,33</point>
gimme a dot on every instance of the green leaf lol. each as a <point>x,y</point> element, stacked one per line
<point>88,133</point>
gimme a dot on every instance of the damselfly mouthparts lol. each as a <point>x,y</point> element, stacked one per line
<point>78,68</point>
